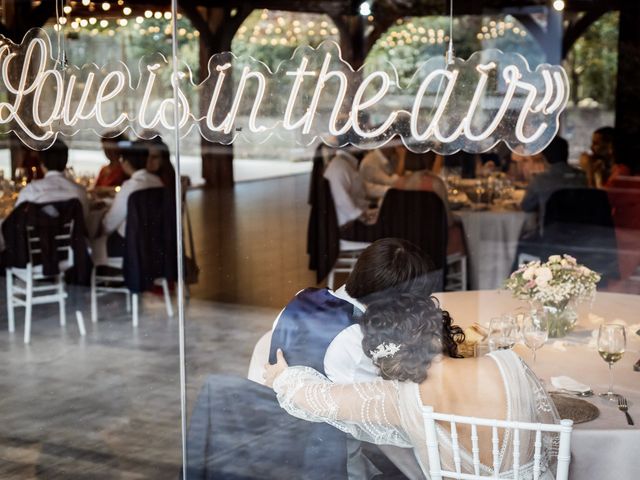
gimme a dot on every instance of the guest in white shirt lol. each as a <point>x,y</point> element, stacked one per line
<point>379,171</point>
<point>348,189</point>
<point>114,223</point>
<point>54,187</point>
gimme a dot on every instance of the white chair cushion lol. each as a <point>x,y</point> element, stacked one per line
<point>350,246</point>
<point>37,272</point>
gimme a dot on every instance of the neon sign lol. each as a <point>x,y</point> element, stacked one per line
<point>447,106</point>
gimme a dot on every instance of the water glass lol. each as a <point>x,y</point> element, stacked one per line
<point>535,330</point>
<point>503,333</point>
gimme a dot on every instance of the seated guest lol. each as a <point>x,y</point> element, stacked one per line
<point>523,168</point>
<point>112,175</point>
<point>599,162</point>
<point>463,161</point>
<point>412,349</point>
<point>380,169</point>
<point>557,175</point>
<point>426,180</point>
<point>134,164</point>
<point>30,168</point>
<point>159,162</point>
<point>348,191</point>
<point>424,177</point>
<point>54,187</point>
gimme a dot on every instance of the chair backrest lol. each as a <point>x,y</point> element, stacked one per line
<point>579,206</point>
<point>47,234</point>
<point>630,182</point>
<point>150,238</point>
<point>323,234</point>
<point>625,207</point>
<point>419,217</point>
<point>62,244</point>
<point>436,471</point>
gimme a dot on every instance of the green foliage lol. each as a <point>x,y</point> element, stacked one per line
<point>411,41</point>
<point>592,63</point>
<point>272,36</point>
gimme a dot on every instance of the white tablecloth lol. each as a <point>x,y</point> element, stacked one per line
<point>603,449</point>
<point>492,239</point>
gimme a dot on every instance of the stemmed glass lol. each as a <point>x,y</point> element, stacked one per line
<point>612,341</point>
<point>535,331</point>
<point>21,176</point>
<point>503,333</point>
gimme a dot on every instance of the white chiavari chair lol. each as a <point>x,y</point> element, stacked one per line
<point>29,286</point>
<point>436,471</point>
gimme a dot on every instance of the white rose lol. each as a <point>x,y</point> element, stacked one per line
<point>528,273</point>
<point>564,263</point>
<point>570,259</point>
<point>585,271</point>
<point>555,258</point>
<point>543,275</point>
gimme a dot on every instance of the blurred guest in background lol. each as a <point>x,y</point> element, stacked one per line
<point>463,162</point>
<point>112,175</point>
<point>557,175</point>
<point>381,168</point>
<point>523,168</point>
<point>348,191</point>
<point>423,178</point>
<point>159,162</point>
<point>134,163</point>
<point>30,168</point>
<point>599,163</point>
<point>54,187</point>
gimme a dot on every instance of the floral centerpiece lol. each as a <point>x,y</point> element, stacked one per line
<point>556,285</point>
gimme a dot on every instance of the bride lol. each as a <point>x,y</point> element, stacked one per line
<point>414,372</point>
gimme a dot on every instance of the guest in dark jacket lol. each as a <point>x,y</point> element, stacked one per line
<point>558,174</point>
<point>134,164</point>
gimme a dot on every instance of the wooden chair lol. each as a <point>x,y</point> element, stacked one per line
<point>435,468</point>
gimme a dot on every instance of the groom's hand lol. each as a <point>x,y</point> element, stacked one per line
<point>271,372</point>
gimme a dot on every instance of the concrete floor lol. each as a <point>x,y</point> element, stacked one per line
<point>107,406</point>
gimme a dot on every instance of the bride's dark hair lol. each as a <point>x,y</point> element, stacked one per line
<point>416,325</point>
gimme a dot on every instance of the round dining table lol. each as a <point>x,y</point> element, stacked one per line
<point>604,448</point>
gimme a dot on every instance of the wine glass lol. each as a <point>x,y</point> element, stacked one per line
<point>21,176</point>
<point>503,333</point>
<point>535,331</point>
<point>612,341</point>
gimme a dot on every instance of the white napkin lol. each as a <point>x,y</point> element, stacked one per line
<point>568,383</point>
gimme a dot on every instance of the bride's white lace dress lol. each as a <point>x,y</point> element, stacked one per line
<point>390,413</point>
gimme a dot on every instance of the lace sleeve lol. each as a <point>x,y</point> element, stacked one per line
<point>367,411</point>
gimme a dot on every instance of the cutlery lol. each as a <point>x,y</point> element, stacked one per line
<point>587,393</point>
<point>623,406</point>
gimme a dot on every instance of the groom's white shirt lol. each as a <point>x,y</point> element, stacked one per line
<point>344,360</point>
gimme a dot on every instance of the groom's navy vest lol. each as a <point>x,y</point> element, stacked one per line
<point>307,325</point>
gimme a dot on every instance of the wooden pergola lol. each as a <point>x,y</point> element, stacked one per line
<point>218,21</point>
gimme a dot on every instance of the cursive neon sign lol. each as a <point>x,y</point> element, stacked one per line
<point>447,106</point>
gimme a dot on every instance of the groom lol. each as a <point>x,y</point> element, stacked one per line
<point>239,431</point>
<point>319,327</point>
